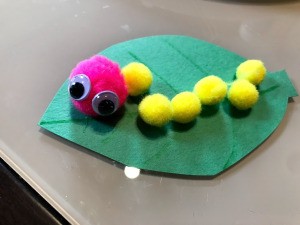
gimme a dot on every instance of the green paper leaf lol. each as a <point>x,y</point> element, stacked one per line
<point>220,137</point>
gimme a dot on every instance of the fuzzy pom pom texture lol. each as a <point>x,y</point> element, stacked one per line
<point>135,79</point>
<point>104,75</point>
<point>252,70</point>
<point>211,90</point>
<point>156,110</point>
<point>186,107</point>
<point>138,78</point>
<point>243,94</point>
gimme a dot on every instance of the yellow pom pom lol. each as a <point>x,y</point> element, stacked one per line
<point>156,110</point>
<point>211,90</point>
<point>243,94</point>
<point>186,107</point>
<point>138,78</point>
<point>252,70</point>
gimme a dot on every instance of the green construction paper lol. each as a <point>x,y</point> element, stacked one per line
<point>220,137</point>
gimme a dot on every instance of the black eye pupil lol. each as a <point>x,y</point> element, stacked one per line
<point>76,90</point>
<point>106,107</point>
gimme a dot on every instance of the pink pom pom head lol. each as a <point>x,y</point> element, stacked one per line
<point>97,87</point>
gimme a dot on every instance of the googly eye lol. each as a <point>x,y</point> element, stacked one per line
<point>105,103</point>
<point>79,87</point>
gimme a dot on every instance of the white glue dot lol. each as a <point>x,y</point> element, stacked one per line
<point>131,172</point>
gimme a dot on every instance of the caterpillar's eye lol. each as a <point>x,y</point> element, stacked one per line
<point>105,103</point>
<point>79,87</point>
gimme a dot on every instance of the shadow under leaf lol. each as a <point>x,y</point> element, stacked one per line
<point>209,110</point>
<point>100,124</point>
<point>150,131</point>
<point>183,127</point>
<point>136,99</point>
<point>233,112</point>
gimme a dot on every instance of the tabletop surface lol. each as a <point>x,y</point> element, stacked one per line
<point>20,204</point>
<point>42,40</point>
